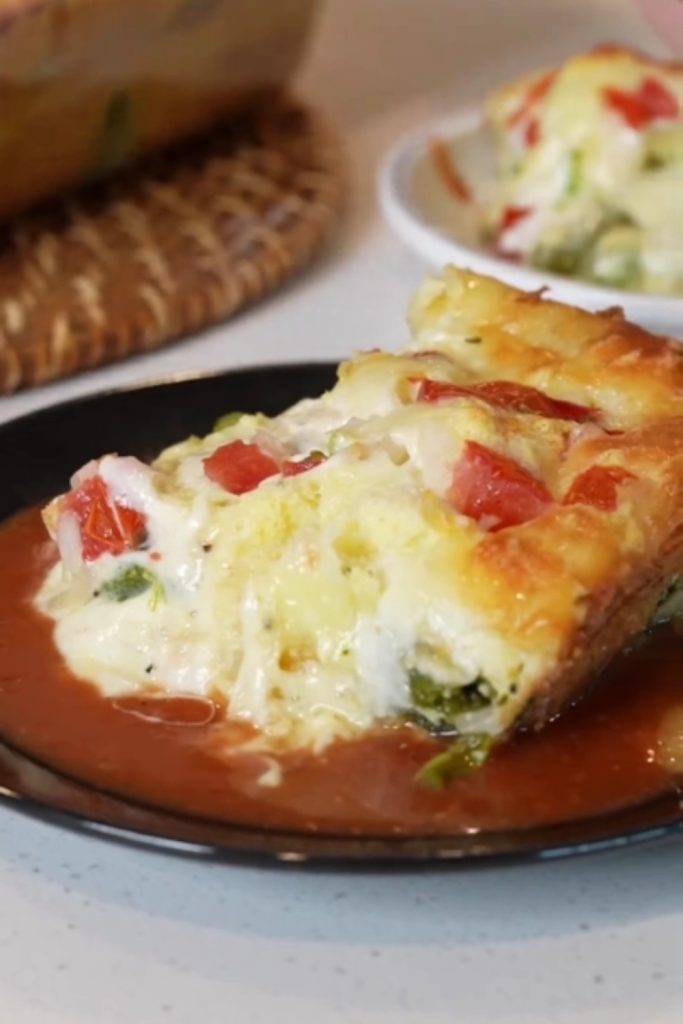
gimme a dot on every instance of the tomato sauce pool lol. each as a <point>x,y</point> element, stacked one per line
<point>604,754</point>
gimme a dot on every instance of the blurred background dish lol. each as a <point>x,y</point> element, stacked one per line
<point>589,171</point>
<point>569,177</point>
<point>421,211</point>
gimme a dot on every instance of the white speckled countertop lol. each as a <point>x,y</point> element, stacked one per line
<point>97,933</point>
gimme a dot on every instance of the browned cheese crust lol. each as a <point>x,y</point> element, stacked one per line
<point>577,578</point>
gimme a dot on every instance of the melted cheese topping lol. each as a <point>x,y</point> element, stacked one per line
<point>312,601</point>
<point>596,195</point>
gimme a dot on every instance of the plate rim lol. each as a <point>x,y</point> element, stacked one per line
<point>285,846</point>
<point>187,833</point>
<point>436,245</point>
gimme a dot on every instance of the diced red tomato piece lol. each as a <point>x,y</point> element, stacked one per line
<point>532,132</point>
<point>239,467</point>
<point>505,394</point>
<point>522,398</point>
<point>488,485</point>
<point>659,101</point>
<point>448,172</point>
<point>537,91</point>
<point>512,215</point>
<point>627,105</point>
<point>598,486</point>
<point>651,101</point>
<point>294,468</point>
<point>435,390</point>
<point>105,525</point>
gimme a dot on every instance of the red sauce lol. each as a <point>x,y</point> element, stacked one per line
<point>597,757</point>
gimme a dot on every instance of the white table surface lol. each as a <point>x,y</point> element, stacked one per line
<point>94,932</point>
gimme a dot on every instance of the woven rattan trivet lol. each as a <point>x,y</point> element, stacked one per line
<point>183,241</point>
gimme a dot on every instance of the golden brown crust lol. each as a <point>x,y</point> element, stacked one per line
<point>576,582</point>
<point>598,359</point>
<point>613,617</point>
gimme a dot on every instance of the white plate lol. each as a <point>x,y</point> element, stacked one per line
<point>424,215</point>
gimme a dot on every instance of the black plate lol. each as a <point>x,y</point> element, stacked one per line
<point>37,455</point>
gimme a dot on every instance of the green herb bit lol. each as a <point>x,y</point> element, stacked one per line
<point>336,440</point>
<point>132,581</point>
<point>653,162</point>
<point>466,755</point>
<point>474,340</point>
<point>575,173</point>
<point>229,420</point>
<point>315,455</point>
<point>663,147</point>
<point>115,143</point>
<point>560,259</point>
<point>615,257</point>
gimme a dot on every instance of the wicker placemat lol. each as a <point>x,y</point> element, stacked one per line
<point>183,241</point>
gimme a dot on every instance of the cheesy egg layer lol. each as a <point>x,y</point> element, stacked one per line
<point>405,545</point>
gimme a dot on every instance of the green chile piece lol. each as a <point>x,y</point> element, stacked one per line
<point>131,581</point>
<point>465,755</point>
<point>564,258</point>
<point>440,705</point>
<point>614,259</point>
